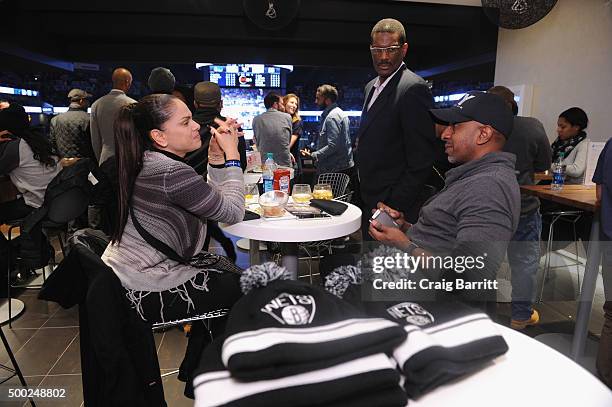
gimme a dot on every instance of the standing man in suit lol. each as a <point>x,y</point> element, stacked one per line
<point>103,113</point>
<point>396,143</point>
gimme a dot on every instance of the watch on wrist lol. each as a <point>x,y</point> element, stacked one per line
<point>411,248</point>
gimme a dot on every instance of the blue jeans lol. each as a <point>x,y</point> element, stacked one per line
<point>524,259</point>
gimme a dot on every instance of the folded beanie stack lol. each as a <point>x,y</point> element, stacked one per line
<point>291,343</point>
<point>367,381</point>
<point>444,340</point>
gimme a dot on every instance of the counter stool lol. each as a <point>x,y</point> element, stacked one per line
<point>565,216</point>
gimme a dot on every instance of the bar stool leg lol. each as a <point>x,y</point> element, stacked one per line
<point>8,277</point>
<point>15,365</point>
<point>547,257</point>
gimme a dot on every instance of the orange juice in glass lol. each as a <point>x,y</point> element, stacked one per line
<point>322,191</point>
<point>301,194</point>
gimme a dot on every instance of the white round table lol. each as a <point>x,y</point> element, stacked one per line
<point>529,374</point>
<point>290,232</point>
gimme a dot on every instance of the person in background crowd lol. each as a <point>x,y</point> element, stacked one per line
<point>334,152</point>
<point>69,132</point>
<point>163,204</point>
<point>396,144</point>
<point>103,113</point>
<point>29,160</point>
<point>161,80</point>
<point>292,107</point>
<point>185,93</point>
<point>603,178</point>
<point>479,208</point>
<point>208,105</point>
<point>272,130</point>
<point>571,141</point>
<point>529,143</point>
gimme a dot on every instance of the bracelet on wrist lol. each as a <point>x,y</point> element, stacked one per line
<point>232,163</point>
<point>217,165</point>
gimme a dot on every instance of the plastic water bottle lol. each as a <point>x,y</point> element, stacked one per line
<point>558,176</point>
<point>268,172</point>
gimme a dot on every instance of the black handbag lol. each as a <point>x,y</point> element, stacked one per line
<point>334,208</point>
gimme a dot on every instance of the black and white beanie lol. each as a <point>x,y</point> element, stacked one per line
<point>288,327</point>
<point>362,382</point>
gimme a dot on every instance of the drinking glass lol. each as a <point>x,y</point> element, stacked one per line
<point>301,194</point>
<point>322,191</point>
<point>251,194</point>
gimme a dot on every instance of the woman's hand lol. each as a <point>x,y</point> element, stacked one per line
<point>216,156</point>
<point>234,126</point>
<point>226,137</point>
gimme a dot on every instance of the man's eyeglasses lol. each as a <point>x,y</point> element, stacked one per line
<point>392,50</point>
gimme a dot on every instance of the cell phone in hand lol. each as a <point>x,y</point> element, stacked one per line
<point>384,218</point>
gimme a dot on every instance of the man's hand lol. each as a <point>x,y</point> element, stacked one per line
<point>305,152</point>
<point>5,136</point>
<point>397,216</point>
<point>389,235</point>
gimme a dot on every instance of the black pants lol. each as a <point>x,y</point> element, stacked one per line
<point>604,355</point>
<point>223,292</point>
<point>30,246</point>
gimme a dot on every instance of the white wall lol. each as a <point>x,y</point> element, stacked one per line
<point>567,58</point>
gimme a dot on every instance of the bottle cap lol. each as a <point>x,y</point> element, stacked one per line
<point>269,155</point>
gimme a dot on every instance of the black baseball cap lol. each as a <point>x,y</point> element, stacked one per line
<point>485,108</point>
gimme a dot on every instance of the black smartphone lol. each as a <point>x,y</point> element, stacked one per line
<point>383,218</point>
<point>307,215</point>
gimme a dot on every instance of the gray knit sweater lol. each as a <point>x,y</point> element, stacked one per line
<point>172,202</point>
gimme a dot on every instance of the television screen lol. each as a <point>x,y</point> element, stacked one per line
<point>243,104</point>
<point>245,76</point>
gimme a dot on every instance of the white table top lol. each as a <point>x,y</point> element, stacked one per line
<point>529,374</point>
<point>294,230</point>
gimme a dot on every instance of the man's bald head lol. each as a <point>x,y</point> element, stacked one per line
<point>122,79</point>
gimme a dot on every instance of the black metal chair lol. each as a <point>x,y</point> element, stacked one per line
<point>339,183</point>
<point>62,209</point>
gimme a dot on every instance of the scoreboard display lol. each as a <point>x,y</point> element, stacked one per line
<point>245,76</point>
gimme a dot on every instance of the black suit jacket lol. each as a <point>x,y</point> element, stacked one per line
<point>397,146</point>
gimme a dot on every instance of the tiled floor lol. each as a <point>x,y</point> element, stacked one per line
<point>45,339</point>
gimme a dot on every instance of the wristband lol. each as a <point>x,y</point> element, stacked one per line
<point>217,165</point>
<point>232,163</point>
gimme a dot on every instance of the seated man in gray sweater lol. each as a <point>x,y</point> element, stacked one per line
<point>478,210</point>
